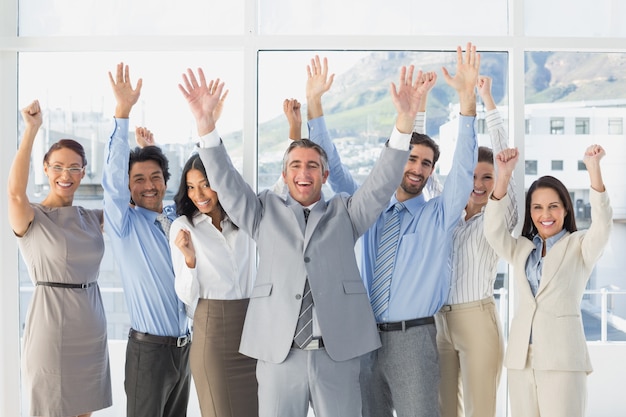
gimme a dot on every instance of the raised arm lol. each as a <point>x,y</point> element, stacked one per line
<point>505,163</point>
<point>117,152</point>
<point>466,77</point>
<point>428,81</point>
<point>499,142</point>
<point>459,182</point>
<point>291,108</point>
<point>593,155</point>
<point>318,83</point>
<point>21,213</point>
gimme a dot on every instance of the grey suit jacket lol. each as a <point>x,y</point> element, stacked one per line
<point>553,315</point>
<point>290,251</point>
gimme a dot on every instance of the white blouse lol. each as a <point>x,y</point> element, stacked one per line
<point>224,270</point>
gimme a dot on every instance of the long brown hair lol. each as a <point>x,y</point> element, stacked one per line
<point>529,230</point>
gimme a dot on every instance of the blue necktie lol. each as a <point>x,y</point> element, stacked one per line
<point>385,262</point>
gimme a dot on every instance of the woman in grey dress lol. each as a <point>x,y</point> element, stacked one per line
<point>65,358</point>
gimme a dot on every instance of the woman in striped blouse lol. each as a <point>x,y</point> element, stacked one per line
<point>469,336</point>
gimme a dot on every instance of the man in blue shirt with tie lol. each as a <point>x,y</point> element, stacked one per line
<point>405,264</point>
<point>157,376</point>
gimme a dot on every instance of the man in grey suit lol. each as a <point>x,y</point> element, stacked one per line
<point>306,353</point>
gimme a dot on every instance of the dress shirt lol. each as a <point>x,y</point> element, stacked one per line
<point>223,268</point>
<point>141,249</point>
<point>534,263</point>
<point>421,277</point>
<point>474,262</point>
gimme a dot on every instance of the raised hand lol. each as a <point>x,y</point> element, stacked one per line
<point>483,85</point>
<point>406,98</point>
<point>125,95</point>
<point>202,98</point>
<point>217,113</point>
<point>428,81</point>
<point>506,160</point>
<point>184,243</point>
<point>318,82</point>
<point>593,155</point>
<point>32,115</point>
<point>144,137</point>
<point>591,159</point>
<point>291,108</point>
<point>465,79</point>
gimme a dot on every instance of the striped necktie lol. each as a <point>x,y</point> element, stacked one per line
<point>304,328</point>
<point>385,262</point>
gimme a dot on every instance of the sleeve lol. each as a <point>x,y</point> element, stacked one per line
<point>460,179</point>
<point>340,178</point>
<point>237,198</point>
<point>419,124</point>
<point>495,230</point>
<point>499,142</point>
<point>115,180</point>
<point>597,236</point>
<point>186,280</point>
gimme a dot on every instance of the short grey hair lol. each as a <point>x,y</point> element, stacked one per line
<point>308,144</point>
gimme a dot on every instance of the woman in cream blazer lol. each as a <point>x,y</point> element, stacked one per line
<point>547,357</point>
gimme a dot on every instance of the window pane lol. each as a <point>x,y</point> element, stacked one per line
<point>575,18</point>
<point>358,109</point>
<point>562,112</point>
<point>371,17</point>
<point>142,17</point>
<point>83,111</point>
<point>582,125</point>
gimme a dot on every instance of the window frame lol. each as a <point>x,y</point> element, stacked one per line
<point>516,44</point>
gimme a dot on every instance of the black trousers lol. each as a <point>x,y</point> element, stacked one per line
<point>157,379</point>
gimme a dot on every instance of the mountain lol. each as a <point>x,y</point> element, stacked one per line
<point>359,107</point>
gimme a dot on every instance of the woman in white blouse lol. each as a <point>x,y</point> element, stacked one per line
<point>469,336</point>
<point>214,276</point>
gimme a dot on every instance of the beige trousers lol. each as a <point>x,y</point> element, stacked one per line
<point>536,393</point>
<point>471,351</point>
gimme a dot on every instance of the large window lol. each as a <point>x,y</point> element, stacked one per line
<point>59,51</point>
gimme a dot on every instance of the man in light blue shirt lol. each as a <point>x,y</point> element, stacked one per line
<point>404,373</point>
<point>157,377</point>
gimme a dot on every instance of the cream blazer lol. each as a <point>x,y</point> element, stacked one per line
<point>553,315</point>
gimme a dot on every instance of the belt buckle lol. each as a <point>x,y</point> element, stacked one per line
<point>84,286</point>
<point>314,344</point>
<point>182,341</point>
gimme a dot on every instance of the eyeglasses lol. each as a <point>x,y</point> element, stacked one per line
<point>72,170</point>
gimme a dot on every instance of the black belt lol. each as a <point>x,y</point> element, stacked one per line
<point>65,285</point>
<point>160,340</point>
<point>403,325</point>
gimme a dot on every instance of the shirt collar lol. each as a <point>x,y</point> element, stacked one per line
<point>412,204</point>
<point>551,241</point>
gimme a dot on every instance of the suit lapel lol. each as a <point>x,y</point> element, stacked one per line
<point>314,218</point>
<point>552,262</point>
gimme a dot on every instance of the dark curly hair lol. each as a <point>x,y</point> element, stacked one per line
<point>150,153</point>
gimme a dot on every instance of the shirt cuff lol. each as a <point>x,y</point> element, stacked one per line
<point>210,140</point>
<point>399,140</point>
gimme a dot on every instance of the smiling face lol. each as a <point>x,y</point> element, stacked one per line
<point>199,192</point>
<point>304,175</point>
<point>483,184</point>
<point>418,168</point>
<point>547,212</point>
<point>147,185</point>
<point>64,184</point>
